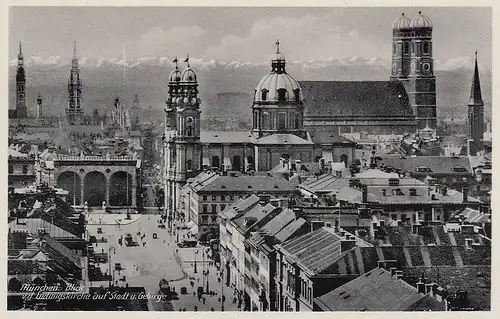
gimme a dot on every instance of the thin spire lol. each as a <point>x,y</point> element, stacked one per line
<point>74,49</point>
<point>187,60</point>
<point>20,49</point>
<point>475,91</point>
<point>175,61</point>
<point>278,46</point>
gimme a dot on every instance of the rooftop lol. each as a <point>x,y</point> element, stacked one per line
<point>357,98</point>
<point>224,137</point>
<point>436,165</point>
<point>246,183</point>
<point>377,290</point>
<point>283,139</point>
<point>314,251</point>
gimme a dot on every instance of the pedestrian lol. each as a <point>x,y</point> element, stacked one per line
<point>212,309</point>
<point>195,308</point>
<point>194,293</point>
<point>204,300</point>
<point>183,309</point>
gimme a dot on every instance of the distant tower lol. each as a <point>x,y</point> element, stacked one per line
<point>278,106</point>
<point>412,64</point>
<point>135,112</point>
<point>74,111</point>
<point>21,110</point>
<point>39,111</point>
<point>475,114</point>
<point>182,134</point>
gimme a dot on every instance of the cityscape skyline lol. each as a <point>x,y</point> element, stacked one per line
<point>247,35</point>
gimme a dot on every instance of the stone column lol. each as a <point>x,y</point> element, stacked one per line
<point>433,214</point>
<point>134,192</point>
<point>245,160</point>
<point>107,190</point>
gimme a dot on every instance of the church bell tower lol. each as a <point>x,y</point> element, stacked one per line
<point>21,110</point>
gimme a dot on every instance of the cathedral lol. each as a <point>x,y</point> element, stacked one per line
<point>404,104</point>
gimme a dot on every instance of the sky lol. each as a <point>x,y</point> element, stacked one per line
<point>240,34</point>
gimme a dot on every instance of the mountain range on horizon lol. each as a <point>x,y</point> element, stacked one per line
<point>104,79</point>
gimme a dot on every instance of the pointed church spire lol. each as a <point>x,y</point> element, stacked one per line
<point>74,49</point>
<point>20,50</point>
<point>475,91</point>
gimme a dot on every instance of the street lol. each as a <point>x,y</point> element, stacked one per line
<point>145,264</point>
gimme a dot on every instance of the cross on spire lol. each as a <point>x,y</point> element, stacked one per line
<point>175,61</point>
<point>278,46</point>
<point>187,60</point>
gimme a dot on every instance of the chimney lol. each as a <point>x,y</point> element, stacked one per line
<point>365,194</point>
<point>384,192</point>
<point>393,271</point>
<point>465,194</point>
<point>421,287</point>
<point>399,274</point>
<point>321,164</point>
<point>381,264</point>
<point>444,191</point>
<point>468,243</point>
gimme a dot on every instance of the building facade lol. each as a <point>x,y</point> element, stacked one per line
<point>74,111</point>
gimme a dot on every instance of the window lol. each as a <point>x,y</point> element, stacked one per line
<point>25,169</point>
<point>189,131</point>
<point>423,169</point>
<point>406,47</point>
<point>222,207</point>
<point>214,208</point>
<point>231,197</point>
<point>413,47</point>
<point>281,121</point>
<point>214,197</point>
<point>11,169</point>
<point>394,216</point>
<point>204,219</point>
<point>205,208</point>
<point>204,197</point>
<point>222,197</point>
<point>458,168</point>
<point>189,165</point>
<point>394,48</point>
<point>214,219</point>
<point>297,120</point>
<point>413,192</point>
<point>426,47</point>
<point>282,94</point>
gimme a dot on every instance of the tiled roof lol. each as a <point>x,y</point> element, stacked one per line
<point>437,164</point>
<point>324,183</point>
<point>473,216</point>
<point>14,153</point>
<point>315,251</point>
<point>268,184</point>
<point>283,139</point>
<point>376,290</point>
<point>290,229</point>
<point>224,137</point>
<point>239,207</point>
<point>360,99</point>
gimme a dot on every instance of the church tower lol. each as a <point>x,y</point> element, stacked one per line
<point>412,64</point>
<point>21,110</point>
<point>278,106</point>
<point>135,112</point>
<point>74,111</point>
<point>475,115</point>
<point>182,134</point>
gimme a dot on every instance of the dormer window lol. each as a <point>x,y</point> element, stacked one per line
<point>264,94</point>
<point>423,169</point>
<point>426,47</point>
<point>458,168</point>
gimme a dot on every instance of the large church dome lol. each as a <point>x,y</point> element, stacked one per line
<point>401,23</point>
<point>421,21</point>
<point>278,86</point>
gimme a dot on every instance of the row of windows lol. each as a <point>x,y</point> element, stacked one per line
<point>282,95</point>
<point>214,208</point>
<point>282,121</point>
<point>204,219</point>
<point>11,169</point>
<point>406,48</point>
<point>221,197</point>
<point>305,291</point>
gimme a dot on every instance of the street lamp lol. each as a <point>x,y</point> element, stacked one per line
<point>195,253</point>
<point>109,264</point>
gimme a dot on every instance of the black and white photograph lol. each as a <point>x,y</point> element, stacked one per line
<point>249,159</point>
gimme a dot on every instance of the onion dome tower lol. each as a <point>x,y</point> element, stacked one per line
<point>171,101</point>
<point>401,40</point>
<point>278,103</point>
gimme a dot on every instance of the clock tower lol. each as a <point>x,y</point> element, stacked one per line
<point>21,110</point>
